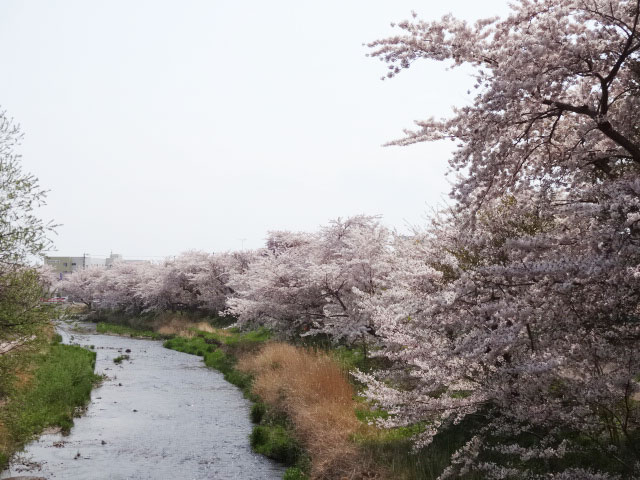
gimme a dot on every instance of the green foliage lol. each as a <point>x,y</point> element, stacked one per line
<point>220,322</point>
<point>393,448</point>
<point>219,360</point>
<point>21,312</point>
<point>349,357</point>
<point>367,415</point>
<point>240,380</point>
<point>274,438</point>
<point>61,383</point>
<point>276,442</point>
<point>22,235</point>
<point>186,345</point>
<point>246,341</point>
<point>584,452</point>
<point>217,351</point>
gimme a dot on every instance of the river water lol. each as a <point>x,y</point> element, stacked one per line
<point>159,415</point>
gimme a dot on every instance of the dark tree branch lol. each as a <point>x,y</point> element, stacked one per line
<point>603,125</point>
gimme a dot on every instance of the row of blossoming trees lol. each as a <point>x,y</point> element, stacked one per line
<point>518,306</point>
<point>300,283</point>
<point>192,282</point>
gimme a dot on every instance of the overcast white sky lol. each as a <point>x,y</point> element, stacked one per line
<point>162,126</point>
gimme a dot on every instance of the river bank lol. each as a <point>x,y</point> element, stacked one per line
<point>307,411</point>
<point>43,386</point>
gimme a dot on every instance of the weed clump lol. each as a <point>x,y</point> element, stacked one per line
<point>111,328</point>
<point>219,349</point>
<point>275,442</point>
<point>118,360</point>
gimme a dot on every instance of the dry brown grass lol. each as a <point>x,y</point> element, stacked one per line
<point>177,325</point>
<point>23,378</point>
<point>313,391</point>
<point>5,439</point>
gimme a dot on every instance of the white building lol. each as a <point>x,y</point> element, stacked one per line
<point>65,265</point>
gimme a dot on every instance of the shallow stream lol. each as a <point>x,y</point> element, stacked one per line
<point>159,415</point>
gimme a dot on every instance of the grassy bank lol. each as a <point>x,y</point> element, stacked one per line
<point>114,329</point>
<point>40,389</point>
<point>312,390</point>
<point>164,323</point>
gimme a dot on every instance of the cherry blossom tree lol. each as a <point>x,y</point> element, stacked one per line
<point>193,281</point>
<point>82,285</point>
<point>274,291</point>
<point>120,287</point>
<point>522,305</point>
<point>350,266</point>
<point>314,282</point>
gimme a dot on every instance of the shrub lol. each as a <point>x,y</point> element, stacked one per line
<point>275,442</point>
<point>257,412</point>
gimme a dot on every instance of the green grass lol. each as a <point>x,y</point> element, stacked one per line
<point>219,352</point>
<point>57,388</point>
<point>118,360</point>
<point>295,473</point>
<point>258,411</point>
<point>115,329</point>
<point>393,449</point>
<point>588,452</point>
<point>277,443</point>
<point>245,340</point>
